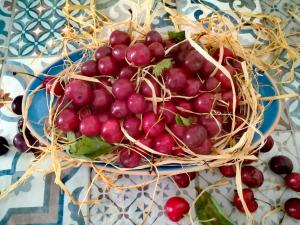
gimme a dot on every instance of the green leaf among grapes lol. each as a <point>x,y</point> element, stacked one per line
<point>161,66</point>
<point>176,36</point>
<point>207,208</point>
<point>90,147</point>
<point>180,120</point>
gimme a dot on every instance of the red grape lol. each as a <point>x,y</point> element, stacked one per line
<point>153,36</point>
<point>213,84</point>
<point>103,117</point>
<point>176,207</point>
<point>175,79</point>
<point>80,92</point>
<point>48,82</point>
<point>169,43</point>
<point>194,61</point>
<point>148,107</point>
<point>122,88</point>
<point>111,131</point>
<point>102,52</point>
<point>281,164</point>
<point>168,110</point>
<point>204,103</point>
<point>252,177</point>
<point>3,145</point>
<point>293,181</point>
<point>269,142</point>
<point>118,37</point>
<point>211,124</point>
<point>206,69</point>
<point>90,126</point>
<point>129,158</point>
<point>225,81</point>
<point>185,104</point>
<point>132,126</point>
<point>193,86</point>
<point>227,53</point>
<point>249,200</point>
<point>68,120</point>
<point>157,50</point>
<point>292,208</point>
<point>178,130</point>
<point>102,100</point>
<point>108,66</point>
<point>228,98</point>
<point>138,54</point>
<point>20,143</point>
<point>164,143</point>
<point>127,72</point>
<point>152,125</point>
<point>182,180</point>
<point>136,103</point>
<point>146,141</point>
<point>89,68</point>
<point>84,112</point>
<point>146,90</point>
<point>195,135</point>
<point>119,53</point>
<point>204,148</point>
<point>119,109</point>
<point>228,171</point>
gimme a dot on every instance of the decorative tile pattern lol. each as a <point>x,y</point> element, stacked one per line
<point>5,16</point>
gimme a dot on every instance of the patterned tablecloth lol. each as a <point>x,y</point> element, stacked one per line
<point>26,27</point>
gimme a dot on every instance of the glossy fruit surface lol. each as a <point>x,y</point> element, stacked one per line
<point>102,52</point>
<point>129,158</point>
<point>90,126</point>
<point>68,120</point>
<point>194,136</point>
<point>176,208</point>
<point>80,92</point>
<point>152,125</point>
<point>89,68</point>
<point>175,79</point>
<point>16,105</point>
<point>3,146</point>
<point>228,171</point>
<point>164,143</point>
<point>111,131</point>
<point>122,88</point>
<point>292,208</point>
<point>252,176</point>
<point>281,164</point>
<point>118,37</point>
<point>136,103</point>
<point>269,143</point>
<point>138,54</point>
<point>292,181</point>
<point>249,200</point>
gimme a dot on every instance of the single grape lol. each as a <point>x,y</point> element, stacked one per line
<point>193,86</point>
<point>119,53</point>
<point>90,126</point>
<point>102,100</point>
<point>164,143</point>
<point>103,117</point>
<point>293,181</point>
<point>249,200</point>
<point>119,109</point>
<point>146,90</point>
<point>108,66</point>
<point>127,72</point>
<point>122,88</point>
<point>186,105</point>
<point>213,125</point>
<point>89,68</point>
<point>138,54</point>
<point>227,53</point>
<point>292,208</point>
<point>281,164</point>
<point>194,61</point>
<point>153,36</point>
<point>152,125</point>
<point>19,142</point>
<point>204,148</point>
<point>84,112</point>
<point>132,126</point>
<point>228,98</point>
<point>269,143</point>
<point>195,135</point>
<point>206,69</point>
<point>118,37</point>
<point>111,131</point>
<point>176,208</point>
<point>178,130</point>
<point>3,146</point>
<point>16,105</point>
<point>157,50</point>
<point>102,52</point>
<point>168,110</point>
<point>182,180</point>
<point>68,120</point>
<point>48,82</point>
<point>136,103</point>
<point>129,158</point>
<point>252,176</point>
<point>80,92</point>
<point>204,103</point>
<point>213,85</point>
<point>148,141</point>
<point>228,171</point>
<point>225,81</point>
<point>175,79</point>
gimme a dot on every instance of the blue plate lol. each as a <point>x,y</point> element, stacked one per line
<point>38,110</point>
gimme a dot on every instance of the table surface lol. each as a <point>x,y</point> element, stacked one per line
<point>26,26</point>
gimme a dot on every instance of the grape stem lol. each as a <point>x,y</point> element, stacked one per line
<point>27,74</point>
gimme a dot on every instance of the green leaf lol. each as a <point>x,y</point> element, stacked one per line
<point>176,36</point>
<point>89,147</point>
<point>161,66</point>
<point>180,120</point>
<point>207,208</point>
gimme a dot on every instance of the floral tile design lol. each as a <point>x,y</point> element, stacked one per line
<point>5,21</point>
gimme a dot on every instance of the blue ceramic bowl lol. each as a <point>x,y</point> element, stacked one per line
<point>38,110</point>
